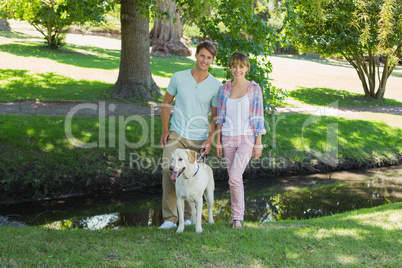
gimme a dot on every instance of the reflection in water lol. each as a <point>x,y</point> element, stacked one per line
<point>332,200</point>
<point>133,209</point>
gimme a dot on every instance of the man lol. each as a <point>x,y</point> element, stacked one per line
<point>195,92</point>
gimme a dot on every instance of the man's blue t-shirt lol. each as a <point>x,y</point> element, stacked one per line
<point>193,103</point>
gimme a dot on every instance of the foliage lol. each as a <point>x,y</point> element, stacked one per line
<point>52,17</point>
<point>364,32</point>
<point>261,10</point>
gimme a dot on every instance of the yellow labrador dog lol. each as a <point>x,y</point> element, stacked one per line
<point>193,180</point>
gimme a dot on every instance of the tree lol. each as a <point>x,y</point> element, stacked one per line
<point>167,31</point>
<point>241,29</point>
<point>52,17</point>
<point>364,32</point>
<point>135,80</point>
<point>4,25</point>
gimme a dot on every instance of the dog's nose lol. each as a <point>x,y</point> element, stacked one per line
<point>171,168</point>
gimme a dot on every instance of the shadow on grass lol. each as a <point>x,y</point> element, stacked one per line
<point>43,151</point>
<point>22,85</point>
<point>300,135</point>
<point>338,63</point>
<point>342,98</point>
<point>17,35</point>
<point>80,56</point>
<point>167,66</point>
<point>351,243</point>
<point>397,72</point>
<point>99,58</point>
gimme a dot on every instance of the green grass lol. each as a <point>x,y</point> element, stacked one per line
<point>362,238</point>
<point>79,56</point>
<point>50,164</point>
<point>337,98</point>
<point>100,58</point>
<point>299,137</point>
<point>17,35</point>
<point>22,85</point>
<point>167,66</point>
<point>334,62</point>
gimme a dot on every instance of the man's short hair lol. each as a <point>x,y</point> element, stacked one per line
<point>208,46</point>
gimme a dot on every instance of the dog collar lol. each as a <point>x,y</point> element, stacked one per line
<point>197,169</point>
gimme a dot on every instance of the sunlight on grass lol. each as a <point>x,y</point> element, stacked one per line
<point>339,232</point>
<point>299,143</point>
<point>344,259</point>
<point>387,220</point>
<point>294,255</point>
<point>48,147</point>
<point>357,139</point>
<point>23,85</point>
<point>342,98</point>
<point>79,56</point>
<point>30,132</point>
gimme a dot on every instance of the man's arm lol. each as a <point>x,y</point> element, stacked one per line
<point>165,115</point>
<point>208,142</point>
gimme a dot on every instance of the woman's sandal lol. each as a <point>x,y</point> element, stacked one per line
<point>236,224</point>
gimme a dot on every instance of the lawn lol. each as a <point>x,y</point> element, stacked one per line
<point>52,164</point>
<point>362,238</point>
<point>23,84</point>
<point>338,98</point>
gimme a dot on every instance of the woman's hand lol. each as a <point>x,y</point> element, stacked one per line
<point>218,150</point>
<point>257,151</point>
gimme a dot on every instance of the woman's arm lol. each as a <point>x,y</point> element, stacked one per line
<point>208,142</point>
<point>218,145</point>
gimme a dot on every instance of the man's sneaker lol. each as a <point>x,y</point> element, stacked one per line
<point>168,225</point>
<point>187,222</point>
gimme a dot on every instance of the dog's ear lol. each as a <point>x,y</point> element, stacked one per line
<point>191,156</point>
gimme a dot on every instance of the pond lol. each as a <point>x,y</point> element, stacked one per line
<point>267,199</point>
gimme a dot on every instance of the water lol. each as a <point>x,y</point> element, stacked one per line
<point>268,199</point>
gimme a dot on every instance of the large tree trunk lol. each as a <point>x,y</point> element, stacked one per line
<point>4,25</point>
<point>166,34</point>
<point>135,80</point>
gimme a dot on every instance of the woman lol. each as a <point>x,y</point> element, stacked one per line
<point>240,126</point>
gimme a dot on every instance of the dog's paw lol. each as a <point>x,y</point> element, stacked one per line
<point>211,221</point>
<point>179,230</point>
<point>198,230</point>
